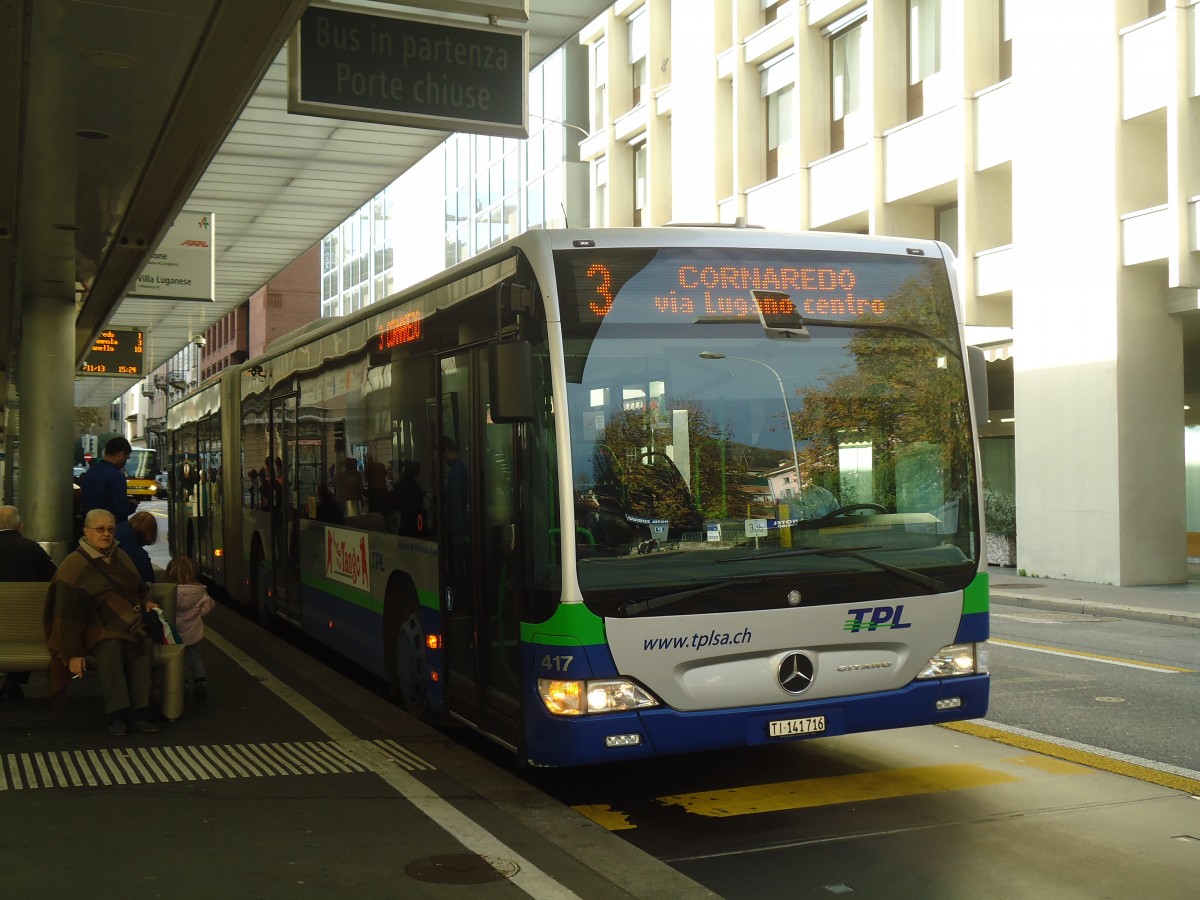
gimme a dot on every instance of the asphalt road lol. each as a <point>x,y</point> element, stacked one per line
<point>935,812</point>
<point>1120,685</point>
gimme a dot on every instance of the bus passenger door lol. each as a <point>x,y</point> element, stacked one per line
<point>285,508</point>
<point>478,536</point>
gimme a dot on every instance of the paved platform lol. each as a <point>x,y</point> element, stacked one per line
<point>287,780</point>
<point>1174,604</point>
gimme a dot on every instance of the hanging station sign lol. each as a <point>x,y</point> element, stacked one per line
<point>415,72</point>
<point>181,267</point>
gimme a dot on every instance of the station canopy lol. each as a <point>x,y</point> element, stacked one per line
<point>116,115</point>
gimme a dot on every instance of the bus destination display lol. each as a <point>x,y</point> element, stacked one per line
<point>741,291</point>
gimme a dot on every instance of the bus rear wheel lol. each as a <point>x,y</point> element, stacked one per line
<point>407,666</point>
<point>259,578</point>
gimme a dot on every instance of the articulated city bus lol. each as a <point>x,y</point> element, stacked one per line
<point>619,493</point>
<point>140,473</point>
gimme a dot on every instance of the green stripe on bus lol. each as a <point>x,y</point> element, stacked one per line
<point>571,625</point>
<point>975,597</point>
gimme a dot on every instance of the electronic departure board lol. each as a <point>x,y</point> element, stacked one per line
<point>116,352</point>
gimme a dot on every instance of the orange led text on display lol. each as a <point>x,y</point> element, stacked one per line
<point>718,291</point>
<point>404,330</point>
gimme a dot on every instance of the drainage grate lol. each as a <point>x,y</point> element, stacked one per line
<point>461,868</point>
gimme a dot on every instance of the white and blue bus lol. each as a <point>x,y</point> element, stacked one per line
<point>620,493</point>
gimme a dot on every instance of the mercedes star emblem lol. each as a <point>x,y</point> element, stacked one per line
<point>795,673</point>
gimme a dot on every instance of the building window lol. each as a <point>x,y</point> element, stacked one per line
<point>599,64</point>
<point>639,47</point>
<point>779,93</point>
<point>776,9</point>
<point>929,48</point>
<point>600,193</point>
<point>946,225</point>
<point>781,134</point>
<point>845,78</point>
<point>1005,41</point>
<point>639,182</point>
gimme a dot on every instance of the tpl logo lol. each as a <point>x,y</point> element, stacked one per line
<point>880,617</point>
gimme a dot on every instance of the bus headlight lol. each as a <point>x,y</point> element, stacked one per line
<point>956,659</point>
<point>576,698</point>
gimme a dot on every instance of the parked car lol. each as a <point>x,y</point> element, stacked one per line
<point>79,469</point>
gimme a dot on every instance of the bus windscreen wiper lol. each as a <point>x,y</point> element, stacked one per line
<point>637,607</point>
<point>936,585</point>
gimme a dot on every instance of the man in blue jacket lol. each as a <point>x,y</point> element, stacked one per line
<point>104,484</point>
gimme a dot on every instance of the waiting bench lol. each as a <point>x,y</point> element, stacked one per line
<point>23,642</point>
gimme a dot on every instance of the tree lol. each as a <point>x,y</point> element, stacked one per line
<point>87,419</point>
<point>901,396</point>
<point>632,466</point>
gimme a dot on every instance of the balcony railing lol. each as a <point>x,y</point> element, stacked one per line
<point>995,124</point>
<point>840,185</point>
<point>994,271</point>
<point>1147,64</point>
<point>923,154</point>
<point>1146,235</point>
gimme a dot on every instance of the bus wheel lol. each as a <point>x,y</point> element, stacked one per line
<point>407,666</point>
<point>259,579</point>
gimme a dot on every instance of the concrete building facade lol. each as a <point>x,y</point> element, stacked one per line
<point>1065,182</point>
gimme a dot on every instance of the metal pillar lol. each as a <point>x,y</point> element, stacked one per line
<point>46,388</point>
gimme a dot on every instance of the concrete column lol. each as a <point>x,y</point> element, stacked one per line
<point>692,177</point>
<point>47,392</point>
<point>1098,362</point>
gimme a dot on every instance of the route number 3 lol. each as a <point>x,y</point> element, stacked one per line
<point>603,289</point>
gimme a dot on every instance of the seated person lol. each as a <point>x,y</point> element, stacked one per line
<point>94,609</point>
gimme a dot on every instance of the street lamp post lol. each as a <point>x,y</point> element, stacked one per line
<point>787,409</point>
<point>578,128</point>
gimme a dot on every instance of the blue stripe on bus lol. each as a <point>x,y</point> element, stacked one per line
<point>973,627</point>
<point>356,632</point>
<point>579,740</point>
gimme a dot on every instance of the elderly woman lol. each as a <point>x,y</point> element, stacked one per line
<point>134,536</point>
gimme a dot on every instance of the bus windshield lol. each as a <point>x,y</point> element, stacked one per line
<point>142,463</point>
<point>757,419</point>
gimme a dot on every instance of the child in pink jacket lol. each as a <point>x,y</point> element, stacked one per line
<point>191,602</point>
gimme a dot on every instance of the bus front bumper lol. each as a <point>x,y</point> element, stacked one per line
<point>588,740</point>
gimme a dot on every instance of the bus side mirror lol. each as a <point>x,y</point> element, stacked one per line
<point>510,373</point>
<point>977,368</point>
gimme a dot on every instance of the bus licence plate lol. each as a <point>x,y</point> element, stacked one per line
<point>790,727</point>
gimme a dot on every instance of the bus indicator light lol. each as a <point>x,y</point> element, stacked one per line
<point>622,740</point>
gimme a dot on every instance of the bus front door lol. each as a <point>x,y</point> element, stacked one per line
<point>479,538</point>
<point>285,508</point>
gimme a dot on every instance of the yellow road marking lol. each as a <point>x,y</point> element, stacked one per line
<point>605,816</point>
<point>1096,656</point>
<point>1083,757</point>
<point>855,788</point>
<point>1048,764</point>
